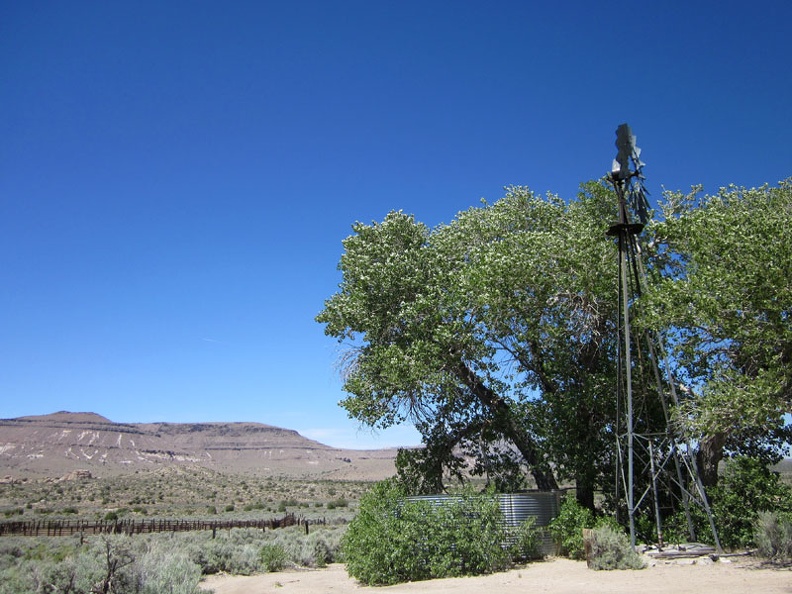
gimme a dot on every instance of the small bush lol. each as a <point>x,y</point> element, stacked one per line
<point>747,488</point>
<point>567,527</point>
<point>610,549</point>
<point>773,536</point>
<point>273,557</point>
<point>340,502</point>
<point>393,540</point>
<point>524,541</point>
<point>162,569</point>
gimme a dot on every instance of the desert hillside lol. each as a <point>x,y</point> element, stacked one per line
<point>60,443</point>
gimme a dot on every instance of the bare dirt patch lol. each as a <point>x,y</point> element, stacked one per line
<point>553,576</point>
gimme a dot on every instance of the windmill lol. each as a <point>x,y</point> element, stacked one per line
<point>658,456</point>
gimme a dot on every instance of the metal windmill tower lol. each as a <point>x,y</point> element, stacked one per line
<point>652,461</point>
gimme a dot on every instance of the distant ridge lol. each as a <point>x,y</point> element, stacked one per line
<point>63,442</point>
<point>67,417</point>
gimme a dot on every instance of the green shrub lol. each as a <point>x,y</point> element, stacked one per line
<point>567,527</point>
<point>273,557</point>
<point>340,502</point>
<point>610,549</point>
<point>393,540</point>
<point>524,541</point>
<point>773,536</point>
<point>747,488</point>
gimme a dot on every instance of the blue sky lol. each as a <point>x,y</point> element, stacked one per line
<point>176,177</point>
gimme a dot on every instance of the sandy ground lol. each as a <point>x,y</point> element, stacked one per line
<point>556,576</point>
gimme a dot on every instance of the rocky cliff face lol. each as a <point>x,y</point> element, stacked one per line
<point>56,444</point>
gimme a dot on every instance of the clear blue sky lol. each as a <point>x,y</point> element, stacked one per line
<point>176,177</point>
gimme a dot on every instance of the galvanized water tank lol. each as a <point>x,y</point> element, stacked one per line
<point>516,508</point>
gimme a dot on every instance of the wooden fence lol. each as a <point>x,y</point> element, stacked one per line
<point>140,526</point>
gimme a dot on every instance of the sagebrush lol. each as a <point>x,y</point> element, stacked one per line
<point>156,563</point>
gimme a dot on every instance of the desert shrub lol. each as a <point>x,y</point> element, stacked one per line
<point>394,540</point>
<point>212,556</point>
<point>273,557</point>
<point>340,502</point>
<point>567,527</point>
<point>145,564</point>
<point>321,546</point>
<point>611,549</point>
<point>524,541</point>
<point>163,569</point>
<point>773,536</point>
<point>115,563</point>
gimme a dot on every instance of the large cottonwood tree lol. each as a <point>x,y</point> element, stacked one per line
<point>494,334</point>
<point>721,294</point>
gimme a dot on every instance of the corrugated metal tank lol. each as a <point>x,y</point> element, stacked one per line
<point>516,508</point>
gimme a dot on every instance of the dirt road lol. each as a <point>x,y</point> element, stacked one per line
<point>554,576</point>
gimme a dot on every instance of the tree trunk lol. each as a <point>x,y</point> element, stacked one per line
<point>584,491</point>
<point>709,455</point>
<point>540,470</point>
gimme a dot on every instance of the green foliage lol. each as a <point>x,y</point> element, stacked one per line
<point>499,329</point>
<point>524,541</point>
<point>773,536</point>
<point>273,557</point>
<point>723,296</point>
<point>567,527</point>
<point>747,488</point>
<point>393,540</point>
<point>611,549</point>
<point>336,503</point>
<point>491,333</point>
